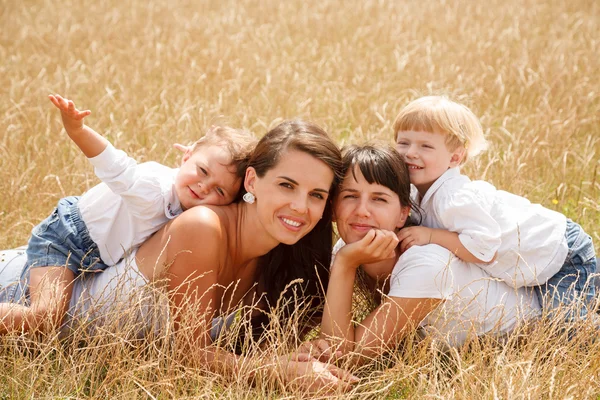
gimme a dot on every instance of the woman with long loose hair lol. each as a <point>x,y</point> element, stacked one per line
<point>211,257</point>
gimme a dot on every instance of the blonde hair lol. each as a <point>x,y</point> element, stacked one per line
<point>239,143</point>
<point>439,114</point>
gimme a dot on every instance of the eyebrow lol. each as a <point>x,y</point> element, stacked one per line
<point>296,183</point>
<point>357,191</point>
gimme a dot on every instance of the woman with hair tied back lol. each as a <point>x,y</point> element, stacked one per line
<point>425,287</point>
<point>212,257</point>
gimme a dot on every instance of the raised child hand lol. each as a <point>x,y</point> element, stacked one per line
<point>414,236</point>
<point>72,118</point>
<point>182,148</point>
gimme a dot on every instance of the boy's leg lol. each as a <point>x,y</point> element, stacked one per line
<point>574,286</point>
<point>50,293</point>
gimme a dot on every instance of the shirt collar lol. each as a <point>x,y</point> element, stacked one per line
<point>173,205</point>
<point>449,174</point>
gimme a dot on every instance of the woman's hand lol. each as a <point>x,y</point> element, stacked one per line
<point>319,349</point>
<point>317,377</point>
<point>377,245</point>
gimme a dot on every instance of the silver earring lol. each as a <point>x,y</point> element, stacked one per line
<point>249,198</point>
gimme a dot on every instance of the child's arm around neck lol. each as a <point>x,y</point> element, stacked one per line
<point>421,235</point>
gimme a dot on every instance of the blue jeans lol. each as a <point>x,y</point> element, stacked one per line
<point>63,239</point>
<point>575,282</point>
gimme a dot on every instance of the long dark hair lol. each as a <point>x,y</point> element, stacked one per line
<point>309,259</point>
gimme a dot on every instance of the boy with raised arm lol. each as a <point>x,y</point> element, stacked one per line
<point>94,231</point>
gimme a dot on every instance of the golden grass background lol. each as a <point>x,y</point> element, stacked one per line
<point>156,73</point>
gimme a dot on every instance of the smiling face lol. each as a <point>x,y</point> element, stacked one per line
<point>206,177</point>
<point>427,157</point>
<point>361,206</point>
<point>291,196</point>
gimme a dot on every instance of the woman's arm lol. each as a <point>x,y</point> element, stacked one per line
<point>376,246</point>
<point>383,328</point>
<point>195,251</point>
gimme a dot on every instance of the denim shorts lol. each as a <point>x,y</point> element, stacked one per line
<point>63,239</point>
<point>576,281</point>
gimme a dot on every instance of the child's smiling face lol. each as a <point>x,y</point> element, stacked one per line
<point>427,156</point>
<point>206,177</point>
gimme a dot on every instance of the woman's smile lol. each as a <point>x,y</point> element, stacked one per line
<point>293,224</point>
<point>363,228</point>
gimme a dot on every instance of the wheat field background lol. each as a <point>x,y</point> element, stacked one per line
<point>156,73</point>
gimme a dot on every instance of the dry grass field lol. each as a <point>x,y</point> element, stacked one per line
<point>156,73</point>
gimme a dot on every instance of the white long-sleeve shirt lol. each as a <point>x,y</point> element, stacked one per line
<point>529,239</point>
<point>132,202</point>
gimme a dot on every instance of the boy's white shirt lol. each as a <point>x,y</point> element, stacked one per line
<point>474,303</point>
<point>132,202</point>
<point>529,239</point>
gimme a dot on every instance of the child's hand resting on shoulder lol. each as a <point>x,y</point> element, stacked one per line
<point>414,236</point>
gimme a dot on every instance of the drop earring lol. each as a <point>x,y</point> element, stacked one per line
<point>249,198</point>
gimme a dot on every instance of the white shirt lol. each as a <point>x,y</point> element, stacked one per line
<point>133,202</point>
<point>474,303</point>
<point>530,239</point>
<point>116,299</point>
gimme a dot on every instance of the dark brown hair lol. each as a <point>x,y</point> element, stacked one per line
<point>309,259</point>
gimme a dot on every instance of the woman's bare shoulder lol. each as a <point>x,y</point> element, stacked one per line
<point>199,235</point>
<point>205,219</point>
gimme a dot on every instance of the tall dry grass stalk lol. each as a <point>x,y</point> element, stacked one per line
<point>156,73</point>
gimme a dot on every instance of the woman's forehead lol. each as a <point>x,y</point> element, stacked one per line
<point>304,167</point>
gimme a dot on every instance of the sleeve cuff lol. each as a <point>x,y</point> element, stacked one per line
<point>484,254</point>
<point>104,159</point>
